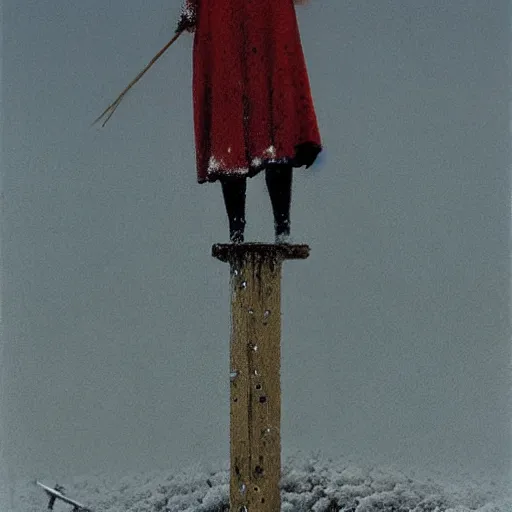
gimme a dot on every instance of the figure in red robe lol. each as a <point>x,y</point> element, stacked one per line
<point>253,109</point>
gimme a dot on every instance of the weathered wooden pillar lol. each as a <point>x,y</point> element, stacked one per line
<point>255,361</point>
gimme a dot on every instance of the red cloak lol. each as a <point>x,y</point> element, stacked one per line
<point>251,92</point>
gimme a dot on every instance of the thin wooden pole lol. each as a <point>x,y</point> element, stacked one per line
<point>255,361</point>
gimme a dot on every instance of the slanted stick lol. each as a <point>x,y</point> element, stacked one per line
<point>112,107</point>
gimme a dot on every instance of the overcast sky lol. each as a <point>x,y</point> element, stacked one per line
<point>395,339</point>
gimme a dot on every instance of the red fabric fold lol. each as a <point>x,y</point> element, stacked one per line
<point>251,92</point>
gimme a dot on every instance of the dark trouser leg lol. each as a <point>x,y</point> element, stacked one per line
<point>233,191</point>
<point>279,184</point>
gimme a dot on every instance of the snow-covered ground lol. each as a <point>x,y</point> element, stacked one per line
<point>309,483</point>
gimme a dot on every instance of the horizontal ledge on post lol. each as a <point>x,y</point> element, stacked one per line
<point>230,252</point>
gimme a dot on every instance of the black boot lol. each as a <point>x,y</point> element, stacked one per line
<point>233,191</point>
<point>279,184</point>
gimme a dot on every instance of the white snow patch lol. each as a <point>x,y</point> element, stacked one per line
<point>308,484</point>
<point>214,166</point>
<point>257,162</point>
<point>188,10</point>
<point>217,166</point>
<point>270,152</point>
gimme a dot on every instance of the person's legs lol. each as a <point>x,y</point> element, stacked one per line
<point>279,184</point>
<point>233,191</point>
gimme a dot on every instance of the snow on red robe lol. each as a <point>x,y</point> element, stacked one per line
<point>251,93</point>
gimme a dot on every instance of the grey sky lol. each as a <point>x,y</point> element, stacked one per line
<point>396,340</point>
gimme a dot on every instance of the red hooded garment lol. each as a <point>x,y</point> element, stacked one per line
<point>252,99</point>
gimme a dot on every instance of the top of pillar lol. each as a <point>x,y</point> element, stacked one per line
<point>231,252</point>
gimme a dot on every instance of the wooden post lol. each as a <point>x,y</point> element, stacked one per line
<point>255,359</point>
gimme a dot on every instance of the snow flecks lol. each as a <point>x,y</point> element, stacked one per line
<point>270,152</point>
<point>214,165</point>
<point>308,484</point>
<point>217,167</point>
<point>188,10</point>
<point>257,162</point>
